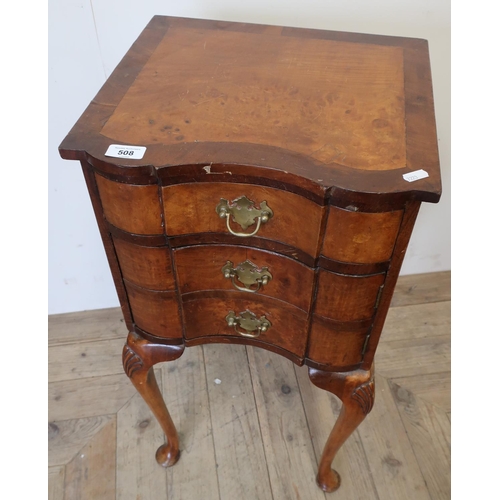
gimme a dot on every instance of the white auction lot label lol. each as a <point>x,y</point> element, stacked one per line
<point>415,176</point>
<point>130,152</point>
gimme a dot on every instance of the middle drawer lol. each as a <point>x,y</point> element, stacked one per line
<point>205,267</point>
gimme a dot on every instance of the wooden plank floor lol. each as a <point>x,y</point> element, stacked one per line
<point>251,425</point>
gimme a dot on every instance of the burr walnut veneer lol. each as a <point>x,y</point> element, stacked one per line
<point>270,206</point>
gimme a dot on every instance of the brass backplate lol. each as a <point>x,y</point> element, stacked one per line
<point>249,322</point>
<point>244,211</point>
<point>248,274</point>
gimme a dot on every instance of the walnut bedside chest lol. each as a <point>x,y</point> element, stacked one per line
<point>259,185</point>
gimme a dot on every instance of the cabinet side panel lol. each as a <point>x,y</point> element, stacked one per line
<point>108,243</point>
<point>409,217</point>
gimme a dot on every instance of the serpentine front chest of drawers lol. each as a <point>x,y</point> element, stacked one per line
<point>258,185</point>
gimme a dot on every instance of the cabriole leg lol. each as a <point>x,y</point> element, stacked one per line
<point>139,357</point>
<point>356,390</point>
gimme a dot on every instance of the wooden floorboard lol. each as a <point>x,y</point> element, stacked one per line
<point>241,461</point>
<point>434,388</point>
<point>87,326</point>
<point>138,435</point>
<point>251,424</point>
<point>88,397</point>
<point>428,430</point>
<point>91,473</point>
<point>417,321</point>
<point>56,483</point>
<point>186,395</point>
<point>396,471</point>
<point>85,360</point>
<point>68,437</point>
<point>422,289</point>
<point>413,357</point>
<point>287,441</point>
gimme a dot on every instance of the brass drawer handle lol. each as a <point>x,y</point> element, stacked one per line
<point>248,274</point>
<point>244,213</point>
<point>249,322</point>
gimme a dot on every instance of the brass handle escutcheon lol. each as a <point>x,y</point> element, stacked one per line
<point>244,212</point>
<point>247,320</point>
<point>248,274</point>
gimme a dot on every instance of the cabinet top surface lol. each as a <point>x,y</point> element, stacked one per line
<point>340,109</point>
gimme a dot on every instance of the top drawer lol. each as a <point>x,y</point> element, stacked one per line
<point>133,208</point>
<point>350,237</point>
<point>191,208</point>
<point>360,237</point>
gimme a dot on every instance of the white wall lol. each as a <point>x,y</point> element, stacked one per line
<point>87,38</point>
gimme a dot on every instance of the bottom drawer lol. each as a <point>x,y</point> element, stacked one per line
<point>335,343</point>
<point>157,313</point>
<point>206,317</point>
